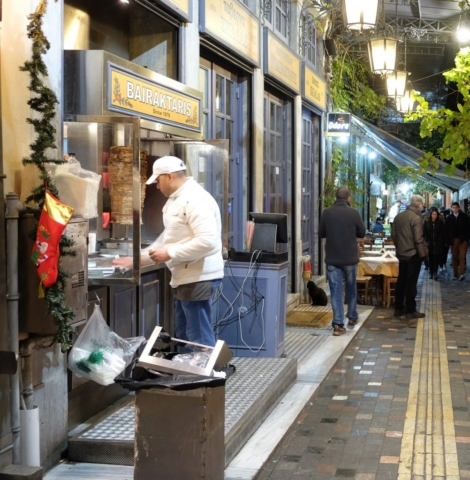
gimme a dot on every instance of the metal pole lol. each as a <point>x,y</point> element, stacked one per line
<point>12,215</point>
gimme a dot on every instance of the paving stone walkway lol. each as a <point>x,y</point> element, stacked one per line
<point>396,404</point>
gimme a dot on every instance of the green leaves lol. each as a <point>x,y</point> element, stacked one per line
<point>453,125</point>
<point>350,89</point>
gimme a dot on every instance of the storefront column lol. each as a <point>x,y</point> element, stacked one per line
<point>50,376</point>
<point>16,49</point>
<point>258,139</point>
<point>189,53</point>
<point>297,196</point>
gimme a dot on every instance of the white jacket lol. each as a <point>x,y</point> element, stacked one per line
<point>192,235</point>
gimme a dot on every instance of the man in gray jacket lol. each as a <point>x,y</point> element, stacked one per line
<point>342,225</point>
<point>411,250</point>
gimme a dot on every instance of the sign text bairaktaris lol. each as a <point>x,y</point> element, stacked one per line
<point>134,94</point>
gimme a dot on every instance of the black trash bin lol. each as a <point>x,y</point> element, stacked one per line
<point>179,434</point>
<point>180,418</point>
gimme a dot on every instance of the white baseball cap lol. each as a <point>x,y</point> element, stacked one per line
<point>165,165</point>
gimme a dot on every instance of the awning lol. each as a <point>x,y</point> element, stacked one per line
<point>403,154</point>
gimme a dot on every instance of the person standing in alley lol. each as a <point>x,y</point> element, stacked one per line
<point>411,250</point>
<point>341,226</point>
<point>190,246</point>
<point>434,238</point>
<point>457,235</point>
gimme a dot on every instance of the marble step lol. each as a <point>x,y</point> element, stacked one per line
<point>251,394</point>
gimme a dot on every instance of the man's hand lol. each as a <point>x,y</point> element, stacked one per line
<point>126,262</point>
<point>160,255</point>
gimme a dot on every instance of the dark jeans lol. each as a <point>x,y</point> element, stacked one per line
<point>445,253</point>
<point>408,274</point>
<point>434,260</point>
<point>335,280</point>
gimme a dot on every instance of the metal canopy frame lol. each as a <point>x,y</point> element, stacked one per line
<point>403,154</point>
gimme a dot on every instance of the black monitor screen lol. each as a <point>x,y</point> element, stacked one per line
<point>279,219</point>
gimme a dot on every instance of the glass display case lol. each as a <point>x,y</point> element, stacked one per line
<point>110,147</point>
<point>129,212</point>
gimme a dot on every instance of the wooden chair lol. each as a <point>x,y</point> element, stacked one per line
<point>390,284</point>
<point>363,288</point>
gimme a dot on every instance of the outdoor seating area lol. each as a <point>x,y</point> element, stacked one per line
<point>377,264</point>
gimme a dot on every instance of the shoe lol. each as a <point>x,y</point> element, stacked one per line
<point>462,278</point>
<point>398,313</point>
<point>454,278</point>
<point>436,278</point>
<point>352,323</point>
<point>338,330</point>
<point>431,277</point>
<point>415,315</point>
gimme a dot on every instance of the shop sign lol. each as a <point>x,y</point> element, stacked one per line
<point>233,25</point>
<point>338,125</point>
<point>314,88</point>
<point>182,8</point>
<point>281,63</point>
<point>130,93</point>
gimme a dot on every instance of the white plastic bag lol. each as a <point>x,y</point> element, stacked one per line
<point>100,354</point>
<point>78,187</point>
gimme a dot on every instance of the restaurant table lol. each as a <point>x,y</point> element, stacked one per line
<point>378,268</point>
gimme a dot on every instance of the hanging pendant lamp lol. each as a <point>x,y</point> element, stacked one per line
<point>396,83</point>
<point>382,54</point>
<point>360,15</point>
<point>406,103</point>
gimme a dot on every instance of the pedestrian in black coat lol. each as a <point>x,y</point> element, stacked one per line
<point>434,238</point>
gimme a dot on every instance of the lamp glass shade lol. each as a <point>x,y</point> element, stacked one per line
<point>360,14</point>
<point>406,103</point>
<point>382,54</point>
<point>396,83</point>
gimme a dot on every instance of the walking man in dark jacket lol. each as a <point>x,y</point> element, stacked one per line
<point>411,250</point>
<point>342,225</point>
<point>457,235</point>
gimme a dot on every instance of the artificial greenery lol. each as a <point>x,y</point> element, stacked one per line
<point>43,101</point>
<point>452,126</point>
<point>349,88</point>
<point>341,173</point>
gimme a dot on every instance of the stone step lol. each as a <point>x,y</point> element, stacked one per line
<point>251,394</point>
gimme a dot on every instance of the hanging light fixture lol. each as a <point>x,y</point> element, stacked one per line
<point>360,15</point>
<point>406,103</point>
<point>396,83</point>
<point>382,54</point>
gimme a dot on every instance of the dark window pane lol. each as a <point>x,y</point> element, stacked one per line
<point>219,94</point>
<point>219,128</point>
<point>228,102</point>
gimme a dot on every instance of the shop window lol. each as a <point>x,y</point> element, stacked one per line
<point>131,32</point>
<point>309,39</point>
<point>276,13</point>
<point>275,154</point>
<point>222,120</point>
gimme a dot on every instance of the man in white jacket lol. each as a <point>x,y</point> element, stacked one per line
<point>191,247</point>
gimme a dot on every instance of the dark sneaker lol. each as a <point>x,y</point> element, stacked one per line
<point>462,278</point>
<point>352,323</point>
<point>338,330</point>
<point>454,278</point>
<point>436,278</point>
<point>398,313</point>
<point>431,277</point>
<point>415,315</point>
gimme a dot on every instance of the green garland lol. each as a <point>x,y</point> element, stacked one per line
<point>43,101</point>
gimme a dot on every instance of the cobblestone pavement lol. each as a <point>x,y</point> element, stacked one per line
<point>395,406</point>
